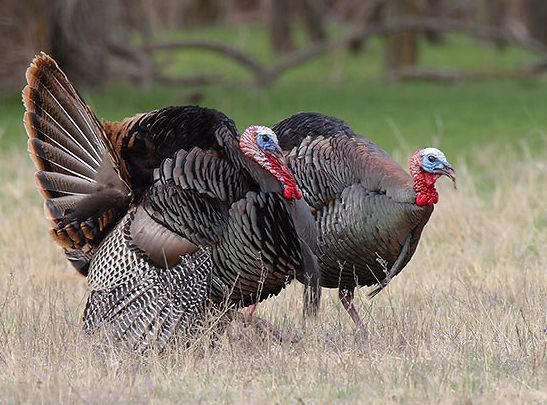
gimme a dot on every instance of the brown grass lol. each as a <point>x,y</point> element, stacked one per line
<point>464,323</point>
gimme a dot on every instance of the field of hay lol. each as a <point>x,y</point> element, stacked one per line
<point>465,323</point>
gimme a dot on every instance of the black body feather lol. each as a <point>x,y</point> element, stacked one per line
<point>364,201</point>
<point>162,211</point>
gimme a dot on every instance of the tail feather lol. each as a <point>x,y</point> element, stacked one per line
<point>53,98</point>
<point>55,185</point>
<point>72,154</point>
<point>57,208</point>
<point>40,128</point>
<point>79,260</point>
<point>48,157</point>
<point>51,114</point>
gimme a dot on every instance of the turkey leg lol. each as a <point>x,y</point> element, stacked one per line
<point>346,297</point>
<point>263,326</point>
<point>395,269</point>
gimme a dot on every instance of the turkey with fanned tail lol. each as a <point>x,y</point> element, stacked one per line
<point>163,212</point>
<point>369,213</point>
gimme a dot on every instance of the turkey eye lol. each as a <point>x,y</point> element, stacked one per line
<point>265,138</point>
<point>432,159</point>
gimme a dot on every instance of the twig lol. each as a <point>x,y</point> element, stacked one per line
<point>194,80</point>
<point>453,76</point>
<point>244,59</point>
<point>137,55</point>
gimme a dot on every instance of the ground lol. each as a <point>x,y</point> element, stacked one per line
<point>464,323</point>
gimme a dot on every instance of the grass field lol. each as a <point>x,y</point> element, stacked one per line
<point>465,323</point>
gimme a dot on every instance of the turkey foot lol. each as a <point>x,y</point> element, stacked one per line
<point>346,298</point>
<point>265,327</point>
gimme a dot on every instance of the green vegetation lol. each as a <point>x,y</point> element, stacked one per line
<point>456,52</point>
<point>395,115</point>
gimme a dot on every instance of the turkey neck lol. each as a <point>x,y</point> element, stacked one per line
<point>300,211</point>
<point>424,183</point>
<point>263,178</point>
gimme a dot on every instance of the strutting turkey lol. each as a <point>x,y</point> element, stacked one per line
<point>165,211</point>
<point>369,212</point>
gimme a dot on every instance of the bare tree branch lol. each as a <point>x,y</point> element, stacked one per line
<point>454,76</point>
<point>233,53</point>
<point>265,75</point>
<point>195,80</point>
<point>538,67</point>
<point>440,25</point>
<point>139,57</point>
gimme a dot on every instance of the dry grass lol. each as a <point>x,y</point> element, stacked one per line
<point>464,323</point>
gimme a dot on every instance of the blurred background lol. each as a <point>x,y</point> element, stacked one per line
<point>457,74</point>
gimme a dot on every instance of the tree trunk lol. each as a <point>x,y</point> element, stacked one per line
<point>279,25</point>
<point>368,12</point>
<point>401,48</point>
<point>432,9</point>
<point>21,33</point>
<point>202,12</point>
<point>79,36</point>
<point>535,14</point>
<point>312,15</point>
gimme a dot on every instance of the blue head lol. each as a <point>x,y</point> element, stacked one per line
<point>259,143</point>
<point>266,140</point>
<point>435,162</point>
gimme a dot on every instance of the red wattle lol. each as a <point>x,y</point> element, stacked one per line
<point>291,193</point>
<point>424,199</point>
<point>424,183</point>
<point>285,177</point>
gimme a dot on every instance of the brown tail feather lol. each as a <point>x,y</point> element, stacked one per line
<point>40,128</point>
<point>53,185</point>
<point>50,95</point>
<point>64,137</point>
<point>52,159</point>
<point>57,208</point>
<point>78,174</point>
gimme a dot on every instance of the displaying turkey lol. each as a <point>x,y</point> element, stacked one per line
<point>369,212</point>
<point>165,211</point>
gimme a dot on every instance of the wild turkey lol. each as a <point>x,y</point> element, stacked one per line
<point>164,211</point>
<point>369,212</point>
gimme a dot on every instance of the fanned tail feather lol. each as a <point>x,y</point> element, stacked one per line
<point>77,171</point>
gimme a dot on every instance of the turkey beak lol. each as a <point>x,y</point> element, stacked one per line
<point>450,172</point>
<point>278,154</point>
